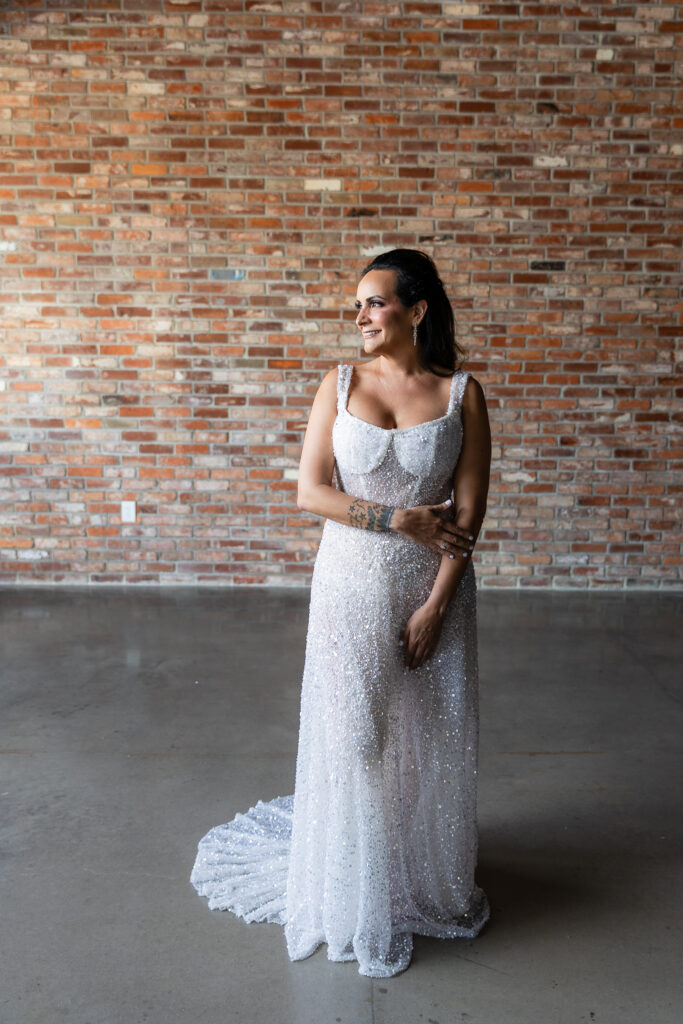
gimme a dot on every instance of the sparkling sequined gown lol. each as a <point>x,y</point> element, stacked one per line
<point>379,840</point>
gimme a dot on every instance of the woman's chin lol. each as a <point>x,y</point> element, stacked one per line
<point>371,346</point>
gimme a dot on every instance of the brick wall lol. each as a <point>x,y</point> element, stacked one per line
<point>188,189</point>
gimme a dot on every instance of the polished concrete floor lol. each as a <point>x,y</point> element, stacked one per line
<point>133,720</point>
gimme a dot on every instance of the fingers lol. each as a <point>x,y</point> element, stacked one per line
<point>460,549</point>
<point>442,535</point>
<point>417,659</point>
<point>459,532</point>
<point>408,648</point>
<point>416,655</point>
<point>410,658</point>
<point>455,540</point>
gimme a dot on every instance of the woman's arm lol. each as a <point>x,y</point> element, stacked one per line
<point>316,494</point>
<point>470,486</point>
<point>470,490</point>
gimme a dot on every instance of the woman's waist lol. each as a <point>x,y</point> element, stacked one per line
<point>370,543</point>
<point>408,497</point>
<point>373,566</point>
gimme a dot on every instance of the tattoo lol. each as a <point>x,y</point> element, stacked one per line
<point>369,515</point>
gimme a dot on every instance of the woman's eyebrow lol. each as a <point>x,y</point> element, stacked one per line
<point>369,299</point>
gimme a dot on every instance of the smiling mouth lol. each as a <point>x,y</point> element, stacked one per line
<point>370,334</point>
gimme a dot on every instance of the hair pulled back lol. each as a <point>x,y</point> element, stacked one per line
<point>417,278</point>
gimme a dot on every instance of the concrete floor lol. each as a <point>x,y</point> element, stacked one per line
<point>136,719</point>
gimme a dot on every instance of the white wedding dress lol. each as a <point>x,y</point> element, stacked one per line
<point>379,840</point>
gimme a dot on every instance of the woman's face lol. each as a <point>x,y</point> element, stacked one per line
<point>382,318</point>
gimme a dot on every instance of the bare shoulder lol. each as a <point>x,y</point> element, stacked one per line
<point>329,381</point>
<point>473,396</point>
<point>363,375</point>
<point>325,401</point>
<point>474,411</point>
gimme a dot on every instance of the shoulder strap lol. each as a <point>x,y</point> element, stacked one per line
<point>344,371</point>
<point>458,385</point>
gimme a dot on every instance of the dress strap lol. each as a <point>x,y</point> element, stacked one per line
<point>344,371</point>
<point>458,385</point>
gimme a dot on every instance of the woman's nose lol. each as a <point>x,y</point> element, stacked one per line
<point>362,316</point>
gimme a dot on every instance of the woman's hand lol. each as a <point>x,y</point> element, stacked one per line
<point>426,525</point>
<point>420,635</point>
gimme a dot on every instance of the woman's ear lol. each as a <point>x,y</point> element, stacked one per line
<point>421,310</point>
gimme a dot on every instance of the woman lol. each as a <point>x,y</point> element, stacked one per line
<point>379,840</point>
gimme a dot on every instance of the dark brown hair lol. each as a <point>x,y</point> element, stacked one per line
<point>417,278</point>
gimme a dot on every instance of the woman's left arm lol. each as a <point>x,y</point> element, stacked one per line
<point>470,490</point>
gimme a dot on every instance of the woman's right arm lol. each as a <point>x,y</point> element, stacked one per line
<point>316,494</point>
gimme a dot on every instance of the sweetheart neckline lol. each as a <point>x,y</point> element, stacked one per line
<point>399,430</point>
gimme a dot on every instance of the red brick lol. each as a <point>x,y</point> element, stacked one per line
<point>117,323</point>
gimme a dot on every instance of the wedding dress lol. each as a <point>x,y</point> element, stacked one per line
<point>379,840</point>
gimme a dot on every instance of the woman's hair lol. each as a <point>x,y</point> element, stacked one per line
<point>417,278</point>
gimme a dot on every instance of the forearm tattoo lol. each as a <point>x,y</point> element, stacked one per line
<point>369,515</point>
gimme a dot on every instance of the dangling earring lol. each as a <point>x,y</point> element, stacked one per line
<point>415,333</point>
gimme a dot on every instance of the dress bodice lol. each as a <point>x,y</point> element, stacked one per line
<point>399,466</point>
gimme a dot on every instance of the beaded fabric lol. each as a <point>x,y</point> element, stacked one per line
<point>379,840</point>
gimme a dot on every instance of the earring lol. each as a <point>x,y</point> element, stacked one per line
<point>415,333</point>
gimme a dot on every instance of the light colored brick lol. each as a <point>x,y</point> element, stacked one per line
<point>546,160</point>
<point>323,184</point>
<point>461,10</point>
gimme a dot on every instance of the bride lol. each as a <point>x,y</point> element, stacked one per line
<point>379,840</point>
